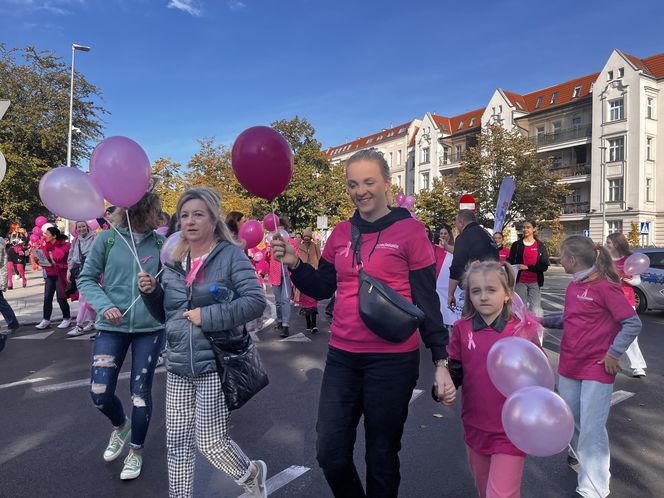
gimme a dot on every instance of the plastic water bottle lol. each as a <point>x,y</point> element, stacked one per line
<point>221,293</point>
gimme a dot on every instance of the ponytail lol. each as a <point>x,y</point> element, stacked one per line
<point>589,254</point>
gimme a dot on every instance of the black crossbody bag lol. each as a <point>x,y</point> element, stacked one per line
<point>383,310</point>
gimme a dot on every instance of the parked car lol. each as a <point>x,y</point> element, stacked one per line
<point>649,293</point>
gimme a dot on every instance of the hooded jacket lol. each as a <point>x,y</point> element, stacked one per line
<point>189,353</point>
<point>80,249</point>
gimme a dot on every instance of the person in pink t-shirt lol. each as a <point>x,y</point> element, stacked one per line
<point>632,361</point>
<point>503,252</point>
<point>496,464</point>
<point>598,326</point>
<point>365,374</point>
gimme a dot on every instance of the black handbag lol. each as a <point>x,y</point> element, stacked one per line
<point>383,310</point>
<point>239,367</point>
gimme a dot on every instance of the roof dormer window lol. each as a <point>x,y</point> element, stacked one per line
<point>460,125</point>
<point>554,98</point>
<point>518,104</point>
<point>472,122</point>
<point>609,76</point>
<point>577,92</point>
<point>621,72</point>
<point>538,104</point>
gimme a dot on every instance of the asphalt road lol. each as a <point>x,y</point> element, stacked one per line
<point>52,437</point>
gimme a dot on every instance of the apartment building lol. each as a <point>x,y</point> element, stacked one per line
<point>602,132</point>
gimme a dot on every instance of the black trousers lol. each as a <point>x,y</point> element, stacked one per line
<point>50,289</point>
<point>378,386</point>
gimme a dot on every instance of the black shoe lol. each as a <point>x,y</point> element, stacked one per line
<point>278,326</point>
<point>314,330</point>
<point>3,340</point>
<point>284,331</point>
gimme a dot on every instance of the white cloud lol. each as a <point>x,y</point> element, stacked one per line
<point>188,6</point>
<point>236,5</point>
<point>60,7</point>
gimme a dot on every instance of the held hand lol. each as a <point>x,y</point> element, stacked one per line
<point>113,315</point>
<point>194,316</point>
<point>523,267</point>
<point>444,386</point>
<point>611,364</point>
<point>451,302</point>
<point>283,251</point>
<point>146,283</point>
<point>68,277</point>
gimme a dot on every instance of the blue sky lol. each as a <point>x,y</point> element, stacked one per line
<point>174,71</point>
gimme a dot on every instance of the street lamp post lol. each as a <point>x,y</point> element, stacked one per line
<point>603,167</point>
<point>74,48</point>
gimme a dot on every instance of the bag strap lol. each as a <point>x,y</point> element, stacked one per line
<point>356,243</point>
<point>109,244</point>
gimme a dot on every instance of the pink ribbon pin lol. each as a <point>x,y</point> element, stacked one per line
<point>471,342</point>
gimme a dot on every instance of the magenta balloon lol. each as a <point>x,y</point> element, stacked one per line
<point>538,421</point>
<point>166,254</point>
<point>252,233</point>
<point>514,363</point>
<point>271,222</point>
<point>409,202</point>
<point>121,169</point>
<point>37,230</point>
<point>71,194</point>
<point>34,237</point>
<point>636,264</point>
<point>40,220</point>
<point>262,161</point>
<point>400,198</point>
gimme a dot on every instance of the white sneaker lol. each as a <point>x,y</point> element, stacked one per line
<point>75,332</point>
<point>65,324</point>
<point>89,327</point>
<point>44,324</point>
<point>256,488</point>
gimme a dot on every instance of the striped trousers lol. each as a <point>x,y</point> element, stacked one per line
<point>197,415</point>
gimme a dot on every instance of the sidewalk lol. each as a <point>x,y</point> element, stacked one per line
<point>28,302</point>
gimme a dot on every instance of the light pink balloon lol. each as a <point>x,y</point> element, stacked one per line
<point>538,421</point>
<point>270,222</point>
<point>636,264</point>
<point>251,233</point>
<point>93,224</point>
<point>166,254</point>
<point>121,169</point>
<point>514,363</point>
<point>69,193</point>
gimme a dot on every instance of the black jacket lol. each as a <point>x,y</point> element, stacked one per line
<point>542,264</point>
<point>473,244</point>
<point>321,284</point>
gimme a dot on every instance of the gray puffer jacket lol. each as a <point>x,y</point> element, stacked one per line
<point>189,353</point>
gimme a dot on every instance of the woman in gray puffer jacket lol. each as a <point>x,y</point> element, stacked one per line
<point>205,255</point>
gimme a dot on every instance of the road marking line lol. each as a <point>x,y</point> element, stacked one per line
<point>279,480</point>
<point>40,335</point>
<point>24,381</point>
<point>416,394</point>
<point>80,383</point>
<point>299,337</point>
<point>620,396</point>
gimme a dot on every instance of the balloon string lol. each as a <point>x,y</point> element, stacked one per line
<point>131,249</point>
<point>276,231</point>
<point>139,296</point>
<point>574,454</point>
<point>133,242</point>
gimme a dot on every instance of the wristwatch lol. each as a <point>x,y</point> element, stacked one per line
<point>441,363</point>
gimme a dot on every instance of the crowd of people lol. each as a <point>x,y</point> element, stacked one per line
<point>466,287</point>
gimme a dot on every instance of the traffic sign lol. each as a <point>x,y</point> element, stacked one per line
<point>321,222</point>
<point>586,233</point>
<point>645,228</point>
<point>467,201</point>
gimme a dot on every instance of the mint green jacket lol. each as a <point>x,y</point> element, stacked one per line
<point>119,286</point>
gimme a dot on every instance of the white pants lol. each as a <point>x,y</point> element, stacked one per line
<point>197,414</point>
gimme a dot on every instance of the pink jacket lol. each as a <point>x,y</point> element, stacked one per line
<point>57,252</point>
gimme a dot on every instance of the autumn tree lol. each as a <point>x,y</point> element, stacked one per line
<point>436,206</point>
<point>33,132</point>
<point>634,235</point>
<point>170,183</point>
<point>500,153</point>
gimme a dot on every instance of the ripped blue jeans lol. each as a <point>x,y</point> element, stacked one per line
<point>108,354</point>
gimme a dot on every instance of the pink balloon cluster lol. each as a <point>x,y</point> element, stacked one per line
<point>535,419</point>
<point>119,173</point>
<point>405,201</point>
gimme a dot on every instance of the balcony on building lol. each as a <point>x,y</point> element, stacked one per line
<point>569,137</point>
<point>575,173</point>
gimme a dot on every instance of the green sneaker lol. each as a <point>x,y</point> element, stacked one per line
<point>117,442</point>
<point>132,466</point>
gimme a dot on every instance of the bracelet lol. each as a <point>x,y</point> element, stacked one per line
<point>441,363</point>
<point>296,264</point>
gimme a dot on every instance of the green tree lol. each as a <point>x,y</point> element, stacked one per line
<point>500,153</point>
<point>634,235</point>
<point>33,132</point>
<point>436,206</point>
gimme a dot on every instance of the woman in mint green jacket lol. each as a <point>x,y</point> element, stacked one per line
<point>124,322</point>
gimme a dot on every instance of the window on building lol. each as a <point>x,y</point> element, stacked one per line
<point>576,123</point>
<point>458,152</point>
<point>577,92</point>
<point>379,137</point>
<point>472,122</point>
<point>650,153</point>
<point>621,72</point>
<point>425,181</point>
<point>557,127</point>
<point>616,190</point>
<point>616,149</point>
<point>575,196</point>
<point>425,155</point>
<point>446,155</point>
<point>649,190</point>
<point>538,104</point>
<point>399,181</point>
<point>540,131</point>
<point>609,76</point>
<point>557,161</point>
<point>616,109</point>
<point>399,156</point>
<point>554,98</point>
<point>389,160</point>
<point>615,226</point>
<point>369,140</point>
<point>518,104</point>
<point>460,125</point>
<point>650,109</point>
